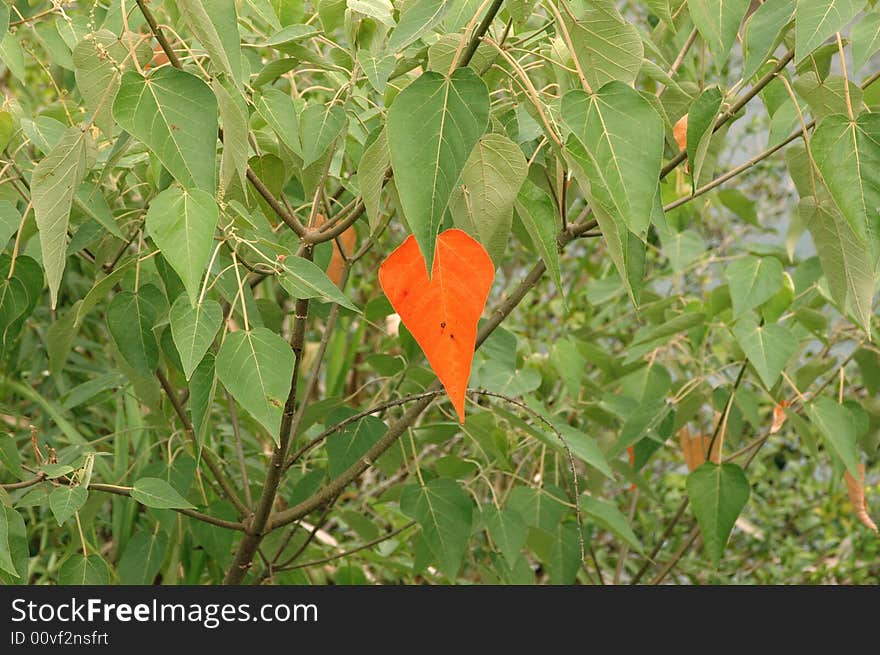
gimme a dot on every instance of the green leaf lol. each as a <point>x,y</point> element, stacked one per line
<point>752,281</point>
<point>100,289</point>
<point>202,386</point>
<point>90,199</point>
<point>565,555</point>
<point>846,262</point>
<point>838,428</point>
<point>768,347</point>
<point>130,319</point>
<point>432,128</point>
<point>377,68</point>
<point>256,367</point>
<point>570,365</point>
<point>865,39</point>
<point>79,570</point>
<point>445,50</point>
<point>303,279</point>
<point>193,329</point>
<point>215,25</point>
<point>445,513</point>
<point>143,558</point>
<point>540,508</point>
<point>175,114</point>
<point>718,22</point>
<point>538,214</point>
<point>417,19</point>
<point>762,33</point>
<point>12,55</point>
<point>605,45</point>
<point>507,529</point>
<point>182,223</point>
<point>319,126</point>
<point>661,9</point>
<point>584,448</point>
<point>155,492</point>
<point>847,155</point>
<point>828,96</point>
<point>818,20</point>
<point>66,501</point>
<point>6,563</point>
<point>53,186</point>
<point>482,203</point>
<point>607,516</point>
<point>622,164</point>
<point>10,218</point>
<point>282,115</point>
<point>216,541</point>
<point>371,176</point>
<point>626,250</point>
<point>7,128</point>
<point>13,546</point>
<point>98,63</point>
<point>234,118</point>
<point>352,442</point>
<point>718,493</point>
<point>52,471</point>
<point>291,34</point>
<point>700,127</point>
<point>59,338</point>
<point>381,10</point>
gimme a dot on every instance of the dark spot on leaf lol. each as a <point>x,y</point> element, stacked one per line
<point>442,325</point>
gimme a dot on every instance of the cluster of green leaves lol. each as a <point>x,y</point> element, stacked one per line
<point>177,182</point>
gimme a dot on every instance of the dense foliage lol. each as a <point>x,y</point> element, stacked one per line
<point>204,381</point>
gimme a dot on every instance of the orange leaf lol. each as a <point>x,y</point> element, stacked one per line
<point>442,312</point>
<point>856,490</point>
<point>694,448</point>
<point>348,239</point>
<point>779,416</point>
<point>680,133</point>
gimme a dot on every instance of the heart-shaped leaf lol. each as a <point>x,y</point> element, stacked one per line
<point>193,330</point>
<point>182,223</point>
<point>432,127</point>
<point>155,492</point>
<point>768,347</point>
<point>752,281</point>
<point>256,368</point>
<point>442,312</point>
<point>175,114</point>
<point>65,501</point>
<point>718,493</point>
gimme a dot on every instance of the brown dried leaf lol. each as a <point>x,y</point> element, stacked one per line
<point>856,490</point>
<point>694,448</point>
<point>779,416</point>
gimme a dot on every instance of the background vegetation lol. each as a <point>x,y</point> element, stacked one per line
<point>203,382</point>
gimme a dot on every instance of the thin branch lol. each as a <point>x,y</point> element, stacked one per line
<point>756,88</point>
<point>215,469</point>
<point>24,484</point>
<point>255,529</point>
<point>199,516</point>
<point>478,34</point>
<point>289,219</point>
<point>332,558</point>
